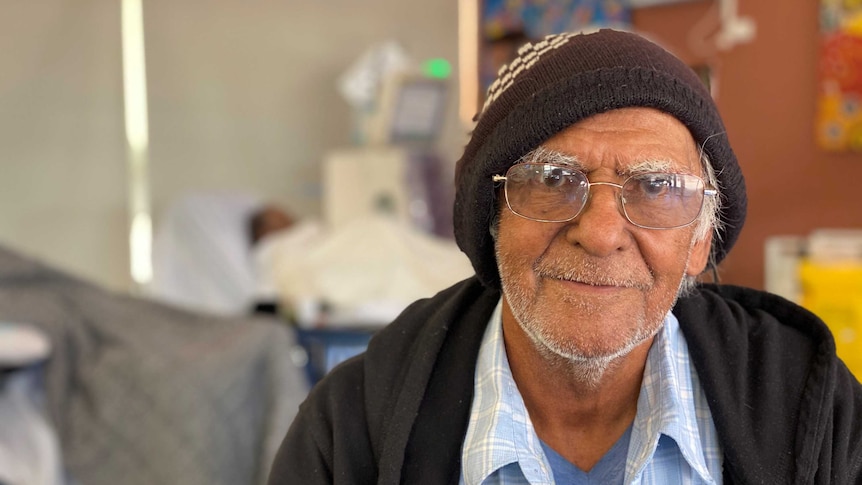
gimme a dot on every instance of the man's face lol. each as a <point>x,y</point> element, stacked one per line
<point>598,286</point>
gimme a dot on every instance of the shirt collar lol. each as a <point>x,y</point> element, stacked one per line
<point>500,432</point>
<point>666,404</point>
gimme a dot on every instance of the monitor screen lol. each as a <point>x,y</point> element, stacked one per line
<point>410,110</point>
<point>418,110</point>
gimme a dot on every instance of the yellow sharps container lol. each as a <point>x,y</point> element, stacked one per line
<point>833,291</point>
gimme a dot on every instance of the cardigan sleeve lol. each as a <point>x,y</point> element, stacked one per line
<point>328,442</point>
<point>305,455</point>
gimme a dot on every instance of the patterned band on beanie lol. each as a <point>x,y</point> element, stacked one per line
<point>565,78</point>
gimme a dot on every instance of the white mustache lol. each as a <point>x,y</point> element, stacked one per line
<point>591,273</point>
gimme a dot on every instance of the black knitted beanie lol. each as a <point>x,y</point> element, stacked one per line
<point>566,78</point>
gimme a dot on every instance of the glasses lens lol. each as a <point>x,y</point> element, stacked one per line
<point>662,200</point>
<point>546,192</point>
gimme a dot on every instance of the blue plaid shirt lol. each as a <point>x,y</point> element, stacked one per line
<point>673,437</point>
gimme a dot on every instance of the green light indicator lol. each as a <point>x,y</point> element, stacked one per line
<point>438,68</point>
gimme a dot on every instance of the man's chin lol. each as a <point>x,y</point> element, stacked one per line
<point>601,341</point>
<point>587,366</point>
<point>588,355</point>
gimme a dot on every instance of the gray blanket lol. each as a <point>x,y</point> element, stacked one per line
<point>142,393</point>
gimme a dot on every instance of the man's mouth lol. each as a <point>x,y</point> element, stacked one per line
<point>593,277</point>
<point>592,286</point>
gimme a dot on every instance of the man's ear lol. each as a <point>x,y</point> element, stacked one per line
<point>699,256</point>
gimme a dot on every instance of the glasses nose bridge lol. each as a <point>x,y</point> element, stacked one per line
<point>619,186</point>
<point>618,196</point>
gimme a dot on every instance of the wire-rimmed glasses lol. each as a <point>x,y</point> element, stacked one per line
<point>547,192</point>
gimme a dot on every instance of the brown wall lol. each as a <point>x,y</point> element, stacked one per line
<point>766,93</point>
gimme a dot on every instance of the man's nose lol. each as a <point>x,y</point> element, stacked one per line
<point>600,229</point>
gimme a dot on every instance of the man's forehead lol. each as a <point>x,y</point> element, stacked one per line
<point>626,138</point>
<point>630,122</point>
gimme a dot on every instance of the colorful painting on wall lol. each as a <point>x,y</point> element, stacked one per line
<point>839,118</point>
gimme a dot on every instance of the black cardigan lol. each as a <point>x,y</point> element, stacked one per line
<point>786,408</point>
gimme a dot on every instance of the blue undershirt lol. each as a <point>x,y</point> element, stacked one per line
<point>610,469</point>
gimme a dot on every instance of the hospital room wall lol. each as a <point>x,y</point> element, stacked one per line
<point>242,97</point>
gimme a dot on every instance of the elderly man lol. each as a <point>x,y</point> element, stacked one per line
<point>597,185</point>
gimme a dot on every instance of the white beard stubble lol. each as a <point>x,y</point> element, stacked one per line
<point>585,364</point>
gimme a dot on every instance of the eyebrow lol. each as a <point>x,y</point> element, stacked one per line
<point>649,165</point>
<point>542,155</point>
